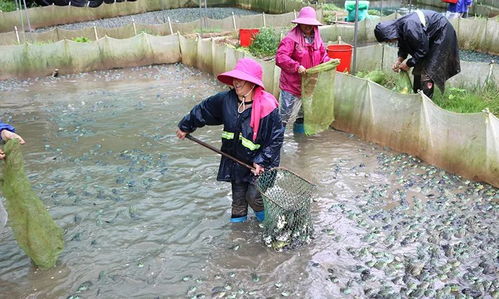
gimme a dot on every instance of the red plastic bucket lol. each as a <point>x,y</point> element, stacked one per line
<point>343,53</point>
<point>246,36</point>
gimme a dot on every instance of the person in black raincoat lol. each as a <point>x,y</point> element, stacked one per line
<point>432,43</point>
<point>253,133</point>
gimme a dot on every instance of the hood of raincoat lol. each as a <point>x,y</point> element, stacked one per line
<point>386,31</point>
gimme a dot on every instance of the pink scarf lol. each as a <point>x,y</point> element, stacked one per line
<point>297,36</point>
<point>263,104</point>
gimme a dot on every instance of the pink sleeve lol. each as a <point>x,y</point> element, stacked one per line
<point>283,57</point>
<point>325,57</point>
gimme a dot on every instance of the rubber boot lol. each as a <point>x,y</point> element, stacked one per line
<point>260,216</point>
<point>238,219</point>
<point>298,128</point>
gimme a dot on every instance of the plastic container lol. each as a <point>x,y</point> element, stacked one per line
<point>450,1</point>
<point>350,8</point>
<point>343,53</point>
<point>246,36</point>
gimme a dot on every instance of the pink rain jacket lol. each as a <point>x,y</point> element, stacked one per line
<point>294,51</point>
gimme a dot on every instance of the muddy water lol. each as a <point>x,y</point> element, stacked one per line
<point>144,217</point>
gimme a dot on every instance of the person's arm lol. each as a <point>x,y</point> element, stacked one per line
<point>283,57</point>
<point>7,132</point>
<point>208,112</point>
<point>271,149</point>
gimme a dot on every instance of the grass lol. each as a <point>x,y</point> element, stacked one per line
<point>7,5</point>
<point>81,39</point>
<point>461,100</point>
<point>469,100</point>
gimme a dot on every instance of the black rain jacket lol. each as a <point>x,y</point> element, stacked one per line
<point>433,47</point>
<point>237,135</point>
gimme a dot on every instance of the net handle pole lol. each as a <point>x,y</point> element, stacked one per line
<point>190,137</point>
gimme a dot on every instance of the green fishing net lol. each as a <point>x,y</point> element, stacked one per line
<point>318,96</point>
<point>400,82</point>
<point>34,229</point>
<point>287,198</point>
<point>404,84</point>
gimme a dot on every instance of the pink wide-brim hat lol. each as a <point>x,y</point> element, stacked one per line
<point>246,69</point>
<point>307,16</point>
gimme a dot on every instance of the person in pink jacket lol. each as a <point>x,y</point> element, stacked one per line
<point>302,48</point>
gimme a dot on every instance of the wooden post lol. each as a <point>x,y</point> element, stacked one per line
<point>95,33</point>
<point>17,35</point>
<point>170,25</point>
<point>134,26</point>
<point>264,21</point>
<point>294,12</point>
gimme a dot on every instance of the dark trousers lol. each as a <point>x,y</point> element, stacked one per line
<point>244,194</point>
<point>424,83</point>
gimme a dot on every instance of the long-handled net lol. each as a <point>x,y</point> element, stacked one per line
<point>286,197</point>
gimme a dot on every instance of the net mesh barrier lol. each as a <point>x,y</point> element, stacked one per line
<point>34,229</point>
<point>287,198</point>
<point>318,96</point>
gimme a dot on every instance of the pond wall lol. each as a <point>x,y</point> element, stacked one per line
<point>55,15</point>
<point>465,144</point>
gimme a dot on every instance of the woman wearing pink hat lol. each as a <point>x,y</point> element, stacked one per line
<point>302,48</point>
<point>252,133</point>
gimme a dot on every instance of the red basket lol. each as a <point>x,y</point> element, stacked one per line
<point>246,36</point>
<point>450,1</point>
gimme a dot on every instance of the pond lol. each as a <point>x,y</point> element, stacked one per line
<point>143,215</point>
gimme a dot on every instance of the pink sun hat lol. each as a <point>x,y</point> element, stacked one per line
<point>246,69</point>
<point>307,16</point>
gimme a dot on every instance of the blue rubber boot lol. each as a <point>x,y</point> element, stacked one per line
<point>238,219</point>
<point>298,128</point>
<point>260,216</point>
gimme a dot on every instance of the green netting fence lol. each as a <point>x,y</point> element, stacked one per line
<point>406,123</point>
<point>56,15</point>
<point>34,229</point>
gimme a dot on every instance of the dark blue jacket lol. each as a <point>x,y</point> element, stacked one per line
<point>221,109</point>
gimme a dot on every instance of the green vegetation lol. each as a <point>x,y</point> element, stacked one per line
<point>81,39</point>
<point>461,100</point>
<point>265,43</point>
<point>374,12</point>
<point>7,5</point>
<point>469,100</point>
<point>208,30</point>
<point>331,7</point>
<point>332,12</point>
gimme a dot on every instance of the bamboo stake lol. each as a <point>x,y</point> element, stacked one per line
<point>170,25</point>
<point>294,12</point>
<point>17,35</point>
<point>95,33</point>
<point>234,21</point>
<point>264,21</point>
<point>134,27</point>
